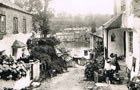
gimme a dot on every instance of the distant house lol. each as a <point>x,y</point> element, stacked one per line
<point>74,34</point>
<point>122,34</point>
<point>96,37</point>
<point>15,28</point>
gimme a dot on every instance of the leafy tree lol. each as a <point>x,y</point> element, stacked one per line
<point>41,15</point>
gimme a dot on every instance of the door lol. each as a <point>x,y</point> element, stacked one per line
<point>124,39</point>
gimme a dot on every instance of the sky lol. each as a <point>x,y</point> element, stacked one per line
<point>82,6</point>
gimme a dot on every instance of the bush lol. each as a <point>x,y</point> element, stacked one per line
<point>44,50</point>
<point>94,65</point>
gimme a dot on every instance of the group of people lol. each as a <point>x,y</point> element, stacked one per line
<point>111,66</point>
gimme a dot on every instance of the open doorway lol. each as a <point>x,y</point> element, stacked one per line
<point>124,40</point>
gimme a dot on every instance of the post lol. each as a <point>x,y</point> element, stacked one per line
<point>105,43</point>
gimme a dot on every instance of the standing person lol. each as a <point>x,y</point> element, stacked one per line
<point>112,61</point>
<point>110,68</point>
<point>117,64</point>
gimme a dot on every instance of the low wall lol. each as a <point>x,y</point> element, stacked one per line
<point>19,84</point>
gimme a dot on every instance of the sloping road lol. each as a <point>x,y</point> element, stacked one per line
<point>71,80</point>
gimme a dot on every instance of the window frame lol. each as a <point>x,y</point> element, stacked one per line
<point>2,24</point>
<point>24,25</point>
<point>15,25</point>
<point>113,37</point>
<point>130,40</point>
<point>85,53</point>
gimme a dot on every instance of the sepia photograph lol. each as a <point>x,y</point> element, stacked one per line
<point>69,44</point>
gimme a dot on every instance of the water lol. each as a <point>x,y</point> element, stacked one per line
<point>76,48</point>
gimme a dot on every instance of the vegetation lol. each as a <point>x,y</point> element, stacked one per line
<point>96,63</point>
<point>44,50</point>
<point>10,70</point>
<point>64,20</point>
<point>41,15</point>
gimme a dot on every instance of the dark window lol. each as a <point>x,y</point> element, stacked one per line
<point>85,52</point>
<point>134,63</point>
<point>24,26</point>
<point>31,77</point>
<point>14,52</point>
<point>130,41</point>
<point>15,25</point>
<point>113,37</point>
<point>2,24</point>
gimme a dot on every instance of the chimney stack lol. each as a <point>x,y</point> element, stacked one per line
<point>13,1</point>
<point>117,6</point>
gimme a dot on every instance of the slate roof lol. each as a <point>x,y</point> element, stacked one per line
<point>18,44</point>
<point>99,32</point>
<point>114,22</point>
<point>8,4</point>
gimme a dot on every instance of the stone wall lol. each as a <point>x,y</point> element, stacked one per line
<point>18,85</point>
<point>9,37</point>
<point>10,14</point>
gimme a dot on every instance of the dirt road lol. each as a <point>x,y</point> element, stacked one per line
<point>71,80</point>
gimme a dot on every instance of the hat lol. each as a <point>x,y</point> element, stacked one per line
<point>112,55</point>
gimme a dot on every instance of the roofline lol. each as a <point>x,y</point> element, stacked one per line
<point>16,9</point>
<point>96,35</point>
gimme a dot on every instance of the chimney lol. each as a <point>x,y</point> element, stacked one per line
<point>13,1</point>
<point>117,6</point>
<point>93,27</point>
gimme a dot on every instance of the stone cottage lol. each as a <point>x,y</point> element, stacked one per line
<point>122,34</point>
<point>15,28</point>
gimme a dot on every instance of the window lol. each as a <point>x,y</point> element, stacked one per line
<point>85,52</point>
<point>15,25</point>
<point>134,63</point>
<point>2,24</point>
<point>113,37</point>
<point>24,26</point>
<point>130,41</point>
<point>14,52</point>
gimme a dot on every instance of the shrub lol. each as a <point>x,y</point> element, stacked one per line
<point>44,50</point>
<point>94,65</point>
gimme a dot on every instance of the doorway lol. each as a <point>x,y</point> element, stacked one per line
<point>124,39</point>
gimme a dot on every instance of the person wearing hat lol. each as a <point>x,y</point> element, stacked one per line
<point>110,67</point>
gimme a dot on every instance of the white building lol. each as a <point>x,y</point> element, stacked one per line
<point>15,28</point>
<point>122,34</point>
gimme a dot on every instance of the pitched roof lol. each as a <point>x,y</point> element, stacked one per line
<point>98,33</point>
<point>18,44</point>
<point>8,4</point>
<point>114,22</point>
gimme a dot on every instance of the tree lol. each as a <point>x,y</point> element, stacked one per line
<point>41,15</point>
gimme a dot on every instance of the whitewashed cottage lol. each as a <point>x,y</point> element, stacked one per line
<point>15,28</point>
<point>122,34</point>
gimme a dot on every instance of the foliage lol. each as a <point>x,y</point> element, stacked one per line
<point>33,6</point>
<point>44,49</point>
<point>89,71</point>
<point>96,63</point>
<point>63,20</point>
<point>64,53</point>
<point>9,70</point>
<point>41,15</point>
<point>94,66</point>
<point>136,7</point>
